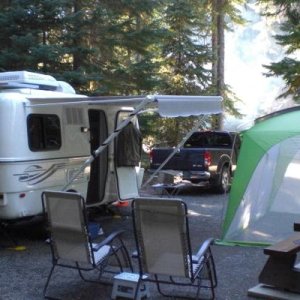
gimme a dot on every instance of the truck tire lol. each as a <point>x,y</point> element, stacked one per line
<point>224,180</point>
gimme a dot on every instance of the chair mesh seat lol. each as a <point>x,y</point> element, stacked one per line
<point>102,253</point>
<point>197,267</point>
<point>70,240</point>
<point>163,246</point>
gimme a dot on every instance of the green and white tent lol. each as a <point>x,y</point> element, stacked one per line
<point>264,201</point>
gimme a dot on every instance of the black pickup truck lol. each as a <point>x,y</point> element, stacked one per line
<point>206,158</point>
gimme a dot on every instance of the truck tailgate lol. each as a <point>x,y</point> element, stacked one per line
<point>184,159</point>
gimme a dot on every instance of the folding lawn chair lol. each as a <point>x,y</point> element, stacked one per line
<point>70,241</point>
<point>164,249</point>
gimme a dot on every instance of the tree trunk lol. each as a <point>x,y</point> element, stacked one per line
<point>77,42</point>
<point>218,47</point>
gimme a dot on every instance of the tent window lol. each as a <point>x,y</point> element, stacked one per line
<point>44,132</point>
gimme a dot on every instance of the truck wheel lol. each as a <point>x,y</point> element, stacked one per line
<point>223,185</point>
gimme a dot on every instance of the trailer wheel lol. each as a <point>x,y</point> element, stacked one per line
<point>224,181</point>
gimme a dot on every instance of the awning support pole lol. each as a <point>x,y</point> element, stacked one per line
<point>188,135</point>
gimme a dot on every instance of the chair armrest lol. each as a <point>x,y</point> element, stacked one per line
<point>134,254</point>
<point>203,249</point>
<point>108,240</point>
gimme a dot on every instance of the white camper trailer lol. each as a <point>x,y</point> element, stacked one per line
<point>52,138</point>
<point>46,134</point>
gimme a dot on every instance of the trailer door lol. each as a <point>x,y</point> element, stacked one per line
<point>99,167</point>
<point>128,148</point>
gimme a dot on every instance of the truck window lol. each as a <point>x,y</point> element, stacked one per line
<point>196,141</point>
<point>208,139</point>
<point>221,140</point>
<point>43,132</point>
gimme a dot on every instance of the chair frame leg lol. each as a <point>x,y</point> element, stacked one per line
<point>89,280</point>
<point>137,287</point>
<point>198,286</point>
<point>212,267</point>
<point>115,254</point>
<point>211,285</point>
<point>126,255</point>
<point>211,275</point>
<point>48,281</point>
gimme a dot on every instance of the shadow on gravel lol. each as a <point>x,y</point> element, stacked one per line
<point>30,229</point>
<point>185,191</point>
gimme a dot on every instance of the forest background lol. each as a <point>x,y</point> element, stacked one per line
<point>131,47</point>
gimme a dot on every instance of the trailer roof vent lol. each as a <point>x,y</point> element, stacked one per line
<point>65,88</point>
<point>24,79</point>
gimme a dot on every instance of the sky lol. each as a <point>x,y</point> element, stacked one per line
<point>247,48</point>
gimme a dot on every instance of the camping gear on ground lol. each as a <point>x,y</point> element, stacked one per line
<point>125,285</point>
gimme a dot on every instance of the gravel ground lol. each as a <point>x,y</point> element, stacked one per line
<point>23,273</point>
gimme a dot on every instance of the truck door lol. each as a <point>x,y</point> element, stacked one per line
<point>99,167</point>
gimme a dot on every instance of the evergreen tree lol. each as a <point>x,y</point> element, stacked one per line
<point>29,35</point>
<point>115,47</point>
<point>186,52</point>
<point>221,10</point>
<point>193,56</point>
<point>79,66</point>
<point>185,58</point>
<point>125,43</point>
<point>49,36</point>
<point>289,38</point>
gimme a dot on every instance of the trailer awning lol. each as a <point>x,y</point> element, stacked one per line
<point>183,106</point>
<point>167,106</point>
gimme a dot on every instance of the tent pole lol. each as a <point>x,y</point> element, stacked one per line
<point>231,152</point>
<point>109,139</point>
<point>188,135</point>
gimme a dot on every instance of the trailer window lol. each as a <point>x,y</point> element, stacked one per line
<point>43,132</point>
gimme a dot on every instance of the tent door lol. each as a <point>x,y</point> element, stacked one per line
<point>99,167</point>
